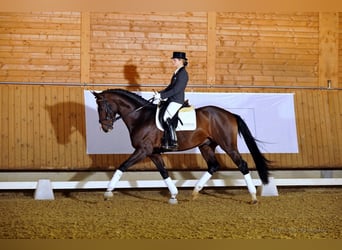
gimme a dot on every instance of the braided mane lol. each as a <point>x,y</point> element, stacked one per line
<point>135,97</point>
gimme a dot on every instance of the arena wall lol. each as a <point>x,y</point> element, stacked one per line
<point>47,60</point>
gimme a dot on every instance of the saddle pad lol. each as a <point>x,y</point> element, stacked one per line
<point>188,117</point>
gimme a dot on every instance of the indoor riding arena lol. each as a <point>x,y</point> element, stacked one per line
<point>281,72</point>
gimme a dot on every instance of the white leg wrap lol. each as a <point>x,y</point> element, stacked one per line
<point>172,187</point>
<point>201,182</point>
<point>116,177</point>
<point>250,184</point>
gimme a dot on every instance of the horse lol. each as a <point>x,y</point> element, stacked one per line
<point>215,127</point>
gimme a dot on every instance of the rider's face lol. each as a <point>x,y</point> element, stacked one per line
<point>177,62</point>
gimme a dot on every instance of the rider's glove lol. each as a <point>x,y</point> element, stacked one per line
<point>157,96</point>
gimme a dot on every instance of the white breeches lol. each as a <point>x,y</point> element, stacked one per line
<point>171,110</point>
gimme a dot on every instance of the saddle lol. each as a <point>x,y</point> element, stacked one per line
<point>184,119</point>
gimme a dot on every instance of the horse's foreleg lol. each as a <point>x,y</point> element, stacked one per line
<point>173,190</point>
<point>112,184</point>
<point>158,161</point>
<point>134,158</point>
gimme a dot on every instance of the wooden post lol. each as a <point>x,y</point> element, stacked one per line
<point>85,47</point>
<point>211,48</point>
<point>328,49</point>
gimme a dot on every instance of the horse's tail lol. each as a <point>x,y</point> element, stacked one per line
<point>260,161</point>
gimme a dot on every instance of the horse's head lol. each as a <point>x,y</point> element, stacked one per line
<point>106,112</point>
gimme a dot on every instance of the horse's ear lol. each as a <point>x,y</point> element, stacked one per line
<point>97,95</point>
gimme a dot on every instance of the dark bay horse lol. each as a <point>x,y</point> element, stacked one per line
<point>215,126</point>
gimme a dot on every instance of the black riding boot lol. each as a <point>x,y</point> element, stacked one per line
<point>170,137</point>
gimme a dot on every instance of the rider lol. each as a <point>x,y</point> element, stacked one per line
<point>174,93</point>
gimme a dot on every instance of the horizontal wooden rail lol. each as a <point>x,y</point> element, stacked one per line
<point>61,185</point>
<point>125,85</point>
<point>153,180</point>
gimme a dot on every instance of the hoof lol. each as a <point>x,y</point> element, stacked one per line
<point>173,201</point>
<point>253,202</point>
<point>108,195</point>
<point>195,195</point>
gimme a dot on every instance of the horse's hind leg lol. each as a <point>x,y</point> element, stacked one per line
<point>208,153</point>
<point>243,167</point>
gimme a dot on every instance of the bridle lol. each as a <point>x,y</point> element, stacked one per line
<point>110,114</point>
<point>108,110</point>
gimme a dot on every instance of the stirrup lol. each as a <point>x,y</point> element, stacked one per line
<point>170,146</point>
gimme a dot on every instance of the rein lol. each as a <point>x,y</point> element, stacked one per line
<point>136,110</point>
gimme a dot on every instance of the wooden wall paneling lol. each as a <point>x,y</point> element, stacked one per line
<point>301,135</point>
<point>41,111</point>
<point>211,48</point>
<point>81,127</point>
<point>176,161</point>
<point>74,136</point>
<point>39,47</point>
<point>333,112</point>
<point>266,49</point>
<point>3,122</point>
<point>29,161</point>
<point>330,143</point>
<point>19,118</point>
<point>338,105</point>
<point>35,95</point>
<point>145,44</point>
<point>317,128</point>
<point>11,134</point>
<point>78,128</point>
<point>56,126</point>
<point>71,130</point>
<point>65,127</point>
<point>328,46</point>
<point>189,161</point>
<point>322,124</point>
<point>317,118</point>
<point>338,147</point>
<point>85,47</point>
<point>63,150</point>
<point>335,108</point>
<point>69,135</point>
<point>260,49</point>
<point>331,115</point>
<point>313,129</point>
<point>5,127</point>
<point>328,134</point>
<point>107,160</point>
<point>307,144</point>
<point>26,134</point>
<point>51,127</point>
<point>305,138</point>
<point>339,84</point>
<point>291,158</point>
<point>65,116</point>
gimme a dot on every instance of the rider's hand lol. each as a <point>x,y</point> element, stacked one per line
<point>157,96</point>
